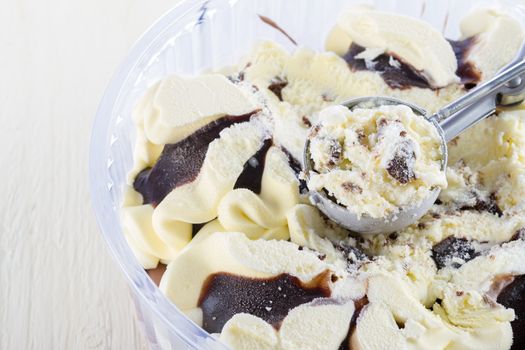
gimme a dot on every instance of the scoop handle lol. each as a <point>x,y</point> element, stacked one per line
<point>506,88</point>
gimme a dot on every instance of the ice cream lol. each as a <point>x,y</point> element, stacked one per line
<point>497,37</point>
<point>216,193</point>
<point>375,161</point>
<point>404,38</point>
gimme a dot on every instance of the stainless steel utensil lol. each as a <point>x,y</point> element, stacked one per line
<point>506,88</point>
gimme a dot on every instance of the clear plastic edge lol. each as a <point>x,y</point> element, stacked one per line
<point>158,304</point>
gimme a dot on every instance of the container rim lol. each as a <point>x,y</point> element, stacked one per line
<point>101,201</point>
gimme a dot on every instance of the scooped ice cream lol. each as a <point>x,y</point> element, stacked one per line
<point>375,161</point>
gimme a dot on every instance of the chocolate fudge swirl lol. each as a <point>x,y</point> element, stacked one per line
<point>513,296</point>
<point>398,76</point>
<point>181,162</point>
<point>402,76</point>
<point>251,176</point>
<point>224,295</point>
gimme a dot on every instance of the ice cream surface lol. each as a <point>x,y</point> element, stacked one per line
<point>412,41</point>
<point>375,161</point>
<point>216,193</point>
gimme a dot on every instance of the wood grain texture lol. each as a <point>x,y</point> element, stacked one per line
<point>59,287</point>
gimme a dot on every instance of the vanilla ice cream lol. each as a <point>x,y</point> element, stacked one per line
<point>216,193</point>
<point>405,38</point>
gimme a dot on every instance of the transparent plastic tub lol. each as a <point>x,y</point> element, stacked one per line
<point>194,36</point>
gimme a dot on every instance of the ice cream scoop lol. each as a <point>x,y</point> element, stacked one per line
<point>506,88</point>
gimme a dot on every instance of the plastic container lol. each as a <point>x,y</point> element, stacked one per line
<point>194,36</point>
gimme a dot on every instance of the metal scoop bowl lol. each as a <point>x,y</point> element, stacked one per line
<point>505,89</point>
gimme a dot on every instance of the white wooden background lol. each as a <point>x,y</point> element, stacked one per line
<point>59,288</point>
